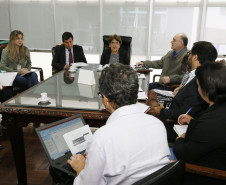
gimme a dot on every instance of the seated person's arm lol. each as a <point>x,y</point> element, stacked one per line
<point>56,64</point>
<point>166,79</point>
<point>94,166</point>
<point>201,141</point>
<point>77,162</point>
<point>139,64</point>
<point>82,57</point>
<point>4,61</point>
<point>28,65</point>
<point>103,58</point>
<point>177,89</point>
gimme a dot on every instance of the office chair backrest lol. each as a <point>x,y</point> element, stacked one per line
<point>54,50</point>
<point>126,44</point>
<point>53,54</point>
<point>172,173</point>
<point>1,53</point>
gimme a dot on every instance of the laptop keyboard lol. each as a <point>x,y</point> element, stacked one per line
<point>69,168</point>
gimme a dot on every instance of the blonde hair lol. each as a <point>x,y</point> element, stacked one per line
<point>11,46</point>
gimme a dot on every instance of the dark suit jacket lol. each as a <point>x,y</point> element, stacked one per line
<point>59,59</point>
<point>205,141</point>
<point>123,57</point>
<point>186,98</point>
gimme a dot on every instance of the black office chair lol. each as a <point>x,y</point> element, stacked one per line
<point>172,173</point>
<point>53,54</point>
<point>126,44</point>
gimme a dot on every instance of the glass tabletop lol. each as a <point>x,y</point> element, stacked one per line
<point>64,91</point>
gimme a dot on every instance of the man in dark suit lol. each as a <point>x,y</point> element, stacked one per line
<point>188,96</point>
<point>67,53</point>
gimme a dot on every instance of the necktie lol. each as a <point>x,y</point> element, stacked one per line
<point>70,57</point>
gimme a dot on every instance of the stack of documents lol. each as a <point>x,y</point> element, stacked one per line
<point>142,96</point>
<point>164,93</point>
<point>180,129</point>
<point>77,139</point>
<point>7,78</point>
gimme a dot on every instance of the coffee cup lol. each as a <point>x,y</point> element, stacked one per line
<point>43,96</point>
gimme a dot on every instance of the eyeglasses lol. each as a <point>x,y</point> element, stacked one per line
<point>100,95</point>
<point>189,53</point>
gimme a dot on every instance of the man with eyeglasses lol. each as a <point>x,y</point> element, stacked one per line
<point>172,68</point>
<point>125,150</point>
<point>67,53</point>
<point>188,96</point>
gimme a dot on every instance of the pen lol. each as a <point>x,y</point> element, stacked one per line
<point>185,114</point>
<point>149,108</point>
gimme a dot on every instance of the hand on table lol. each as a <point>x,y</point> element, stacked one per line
<point>77,162</point>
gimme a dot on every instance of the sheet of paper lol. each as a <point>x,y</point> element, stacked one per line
<point>143,107</point>
<point>77,139</point>
<point>86,77</point>
<point>86,90</point>
<point>142,96</point>
<point>79,64</point>
<point>164,93</point>
<point>7,78</point>
<point>180,129</point>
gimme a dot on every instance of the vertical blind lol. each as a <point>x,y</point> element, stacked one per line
<point>151,23</point>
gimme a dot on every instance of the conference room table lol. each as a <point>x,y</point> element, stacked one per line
<point>66,96</point>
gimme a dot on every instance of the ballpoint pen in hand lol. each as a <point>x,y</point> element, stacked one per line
<point>184,115</point>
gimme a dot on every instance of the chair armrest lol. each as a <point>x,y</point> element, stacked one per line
<point>40,72</point>
<point>154,76</point>
<point>205,171</point>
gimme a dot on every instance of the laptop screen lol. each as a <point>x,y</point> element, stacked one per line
<point>52,135</point>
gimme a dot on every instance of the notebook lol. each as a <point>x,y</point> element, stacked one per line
<point>52,140</point>
<point>180,129</point>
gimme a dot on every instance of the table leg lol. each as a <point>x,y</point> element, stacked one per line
<point>17,142</point>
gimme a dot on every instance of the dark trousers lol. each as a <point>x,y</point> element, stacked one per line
<point>5,94</point>
<point>155,85</point>
<point>26,81</point>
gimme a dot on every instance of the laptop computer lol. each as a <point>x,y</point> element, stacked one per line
<point>52,140</point>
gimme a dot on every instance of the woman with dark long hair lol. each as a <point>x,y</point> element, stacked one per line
<point>204,142</point>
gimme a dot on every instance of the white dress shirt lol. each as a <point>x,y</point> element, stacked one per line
<point>191,76</point>
<point>129,147</point>
<point>67,55</point>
